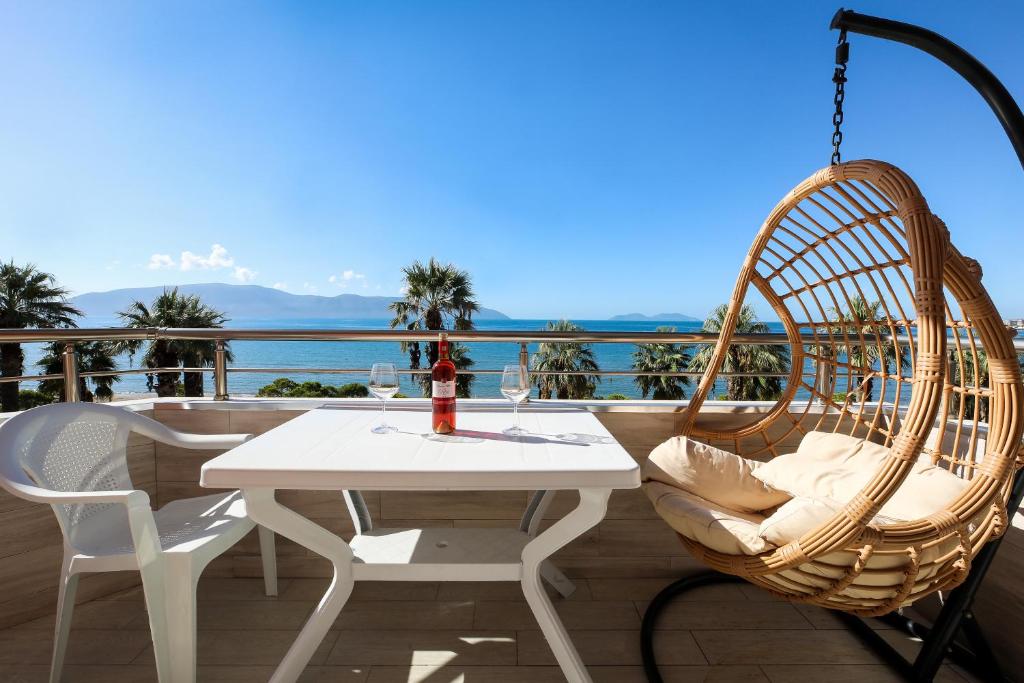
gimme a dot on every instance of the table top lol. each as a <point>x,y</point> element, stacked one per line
<point>333,448</point>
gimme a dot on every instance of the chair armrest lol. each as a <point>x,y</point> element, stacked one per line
<point>172,437</point>
<point>203,441</point>
<point>37,494</point>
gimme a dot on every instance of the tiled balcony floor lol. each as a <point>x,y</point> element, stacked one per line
<point>436,633</point>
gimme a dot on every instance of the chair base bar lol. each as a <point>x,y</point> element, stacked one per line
<point>938,641</point>
<point>661,600</point>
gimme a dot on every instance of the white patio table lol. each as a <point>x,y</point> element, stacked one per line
<point>334,449</point>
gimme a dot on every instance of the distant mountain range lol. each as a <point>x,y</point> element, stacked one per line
<point>241,302</point>
<point>668,317</point>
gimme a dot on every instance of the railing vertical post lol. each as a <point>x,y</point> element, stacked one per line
<point>70,359</point>
<point>524,361</point>
<point>220,372</point>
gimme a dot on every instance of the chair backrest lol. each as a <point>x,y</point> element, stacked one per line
<point>892,335</point>
<point>68,447</point>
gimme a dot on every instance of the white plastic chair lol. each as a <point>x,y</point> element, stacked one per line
<point>73,456</point>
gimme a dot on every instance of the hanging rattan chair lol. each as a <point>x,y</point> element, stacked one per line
<point>929,373</point>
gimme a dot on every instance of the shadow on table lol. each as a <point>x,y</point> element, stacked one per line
<point>474,436</point>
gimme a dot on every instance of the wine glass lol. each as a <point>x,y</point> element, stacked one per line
<point>515,386</point>
<point>383,385</point>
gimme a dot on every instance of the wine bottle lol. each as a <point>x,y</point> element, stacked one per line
<point>443,389</point>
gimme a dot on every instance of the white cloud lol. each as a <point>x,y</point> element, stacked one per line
<point>160,262</point>
<point>346,277</point>
<point>309,287</point>
<point>218,258</point>
<point>244,274</point>
<point>403,290</point>
<point>282,286</point>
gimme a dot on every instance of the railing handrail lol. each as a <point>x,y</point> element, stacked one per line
<point>29,335</point>
<point>221,336</point>
<point>79,334</point>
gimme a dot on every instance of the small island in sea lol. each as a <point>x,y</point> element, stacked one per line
<point>669,317</point>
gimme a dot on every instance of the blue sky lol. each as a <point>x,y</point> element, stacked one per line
<point>580,159</point>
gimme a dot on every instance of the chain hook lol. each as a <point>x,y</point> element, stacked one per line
<point>839,78</point>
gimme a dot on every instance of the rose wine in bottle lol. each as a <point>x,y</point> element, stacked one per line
<point>443,390</point>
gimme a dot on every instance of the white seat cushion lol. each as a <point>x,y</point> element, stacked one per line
<point>802,514</point>
<point>718,528</point>
<point>836,467</point>
<point>713,474</point>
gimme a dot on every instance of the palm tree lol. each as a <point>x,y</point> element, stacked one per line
<point>173,309</point>
<point>437,297</point>
<point>661,357</point>
<point>97,356</point>
<point>764,358</point>
<point>867,319</point>
<point>565,357</point>
<point>963,374</point>
<point>459,355</point>
<point>28,298</point>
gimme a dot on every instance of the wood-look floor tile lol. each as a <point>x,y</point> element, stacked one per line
<point>313,589</point>
<point>312,674</point>
<point>599,648</point>
<point>709,616</point>
<point>424,647</point>
<point>405,615</point>
<point>252,615</point>
<point>103,673</point>
<point>86,646</point>
<point>98,614</point>
<point>465,674</point>
<point>679,674</point>
<point>876,673</point>
<point>765,647</point>
<point>503,590</point>
<point>646,589</point>
<point>249,648</point>
<point>616,567</point>
<point>220,589</point>
<point>591,615</point>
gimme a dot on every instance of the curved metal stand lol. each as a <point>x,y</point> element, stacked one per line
<point>952,55</point>
<point>661,600</point>
<point>936,642</point>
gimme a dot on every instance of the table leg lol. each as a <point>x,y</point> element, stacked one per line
<point>590,511</point>
<point>530,523</point>
<point>265,510</point>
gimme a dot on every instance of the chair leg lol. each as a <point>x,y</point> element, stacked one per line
<point>268,551</point>
<point>559,581</point>
<point>65,610</point>
<point>152,574</point>
<point>181,583</point>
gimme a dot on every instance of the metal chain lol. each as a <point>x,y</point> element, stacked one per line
<point>839,78</point>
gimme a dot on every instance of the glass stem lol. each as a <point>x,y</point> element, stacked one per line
<point>383,410</point>
<point>515,412</point>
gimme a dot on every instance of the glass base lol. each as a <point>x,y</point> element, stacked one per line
<point>384,429</point>
<point>514,431</point>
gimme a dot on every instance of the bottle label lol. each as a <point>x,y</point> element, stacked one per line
<point>443,389</point>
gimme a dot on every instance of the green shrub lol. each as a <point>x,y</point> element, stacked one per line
<point>282,387</point>
<point>30,398</point>
<point>353,390</point>
<point>616,397</point>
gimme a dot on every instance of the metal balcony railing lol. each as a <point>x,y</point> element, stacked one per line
<point>221,336</point>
